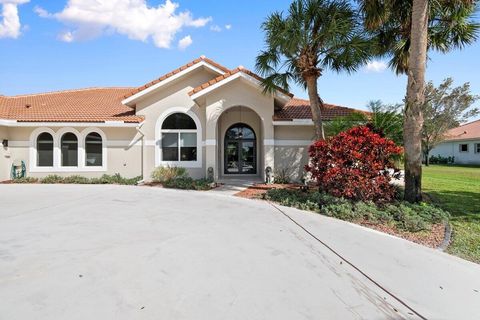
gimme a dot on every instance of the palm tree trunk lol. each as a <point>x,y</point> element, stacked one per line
<point>415,99</point>
<point>315,102</point>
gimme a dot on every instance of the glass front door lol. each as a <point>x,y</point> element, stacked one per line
<point>240,150</point>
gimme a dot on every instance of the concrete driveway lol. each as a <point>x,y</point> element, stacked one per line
<point>115,252</point>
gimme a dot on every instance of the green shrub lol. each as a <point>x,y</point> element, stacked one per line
<point>105,179</point>
<point>431,213</point>
<point>76,179</point>
<point>115,179</point>
<point>369,210</point>
<point>25,180</point>
<point>163,174</point>
<point>343,211</point>
<point>441,160</point>
<point>203,184</point>
<point>404,215</point>
<point>281,176</point>
<point>52,178</point>
<point>185,183</point>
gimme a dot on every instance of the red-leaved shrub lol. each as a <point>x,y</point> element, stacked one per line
<point>356,164</point>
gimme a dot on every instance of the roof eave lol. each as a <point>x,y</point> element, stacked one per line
<point>203,63</point>
<point>107,123</point>
<point>238,75</point>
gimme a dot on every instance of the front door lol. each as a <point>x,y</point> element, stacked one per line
<point>240,150</point>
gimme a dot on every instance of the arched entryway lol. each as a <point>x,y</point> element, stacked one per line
<point>240,150</point>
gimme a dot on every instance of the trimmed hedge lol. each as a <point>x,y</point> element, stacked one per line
<point>77,179</point>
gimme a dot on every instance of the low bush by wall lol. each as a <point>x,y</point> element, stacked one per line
<point>404,215</point>
<point>178,178</point>
<point>76,179</point>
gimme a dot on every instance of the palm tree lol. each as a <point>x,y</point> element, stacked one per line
<point>314,36</point>
<point>405,31</point>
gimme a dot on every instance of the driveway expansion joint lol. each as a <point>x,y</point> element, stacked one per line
<point>349,263</point>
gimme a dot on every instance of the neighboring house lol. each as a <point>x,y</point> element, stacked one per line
<point>199,116</point>
<point>462,143</point>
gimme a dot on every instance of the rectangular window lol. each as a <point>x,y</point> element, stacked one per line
<point>93,154</point>
<point>477,147</point>
<point>170,146</point>
<point>179,146</point>
<point>463,147</point>
<point>45,153</point>
<point>188,146</point>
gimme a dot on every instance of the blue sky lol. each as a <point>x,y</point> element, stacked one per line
<point>67,44</point>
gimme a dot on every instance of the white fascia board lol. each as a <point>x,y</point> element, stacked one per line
<point>255,82</point>
<point>15,123</point>
<point>215,86</point>
<point>170,79</point>
<point>294,122</point>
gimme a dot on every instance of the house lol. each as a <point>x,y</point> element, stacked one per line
<point>462,143</point>
<point>201,116</point>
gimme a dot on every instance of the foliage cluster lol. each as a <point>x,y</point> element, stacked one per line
<point>357,164</point>
<point>404,215</point>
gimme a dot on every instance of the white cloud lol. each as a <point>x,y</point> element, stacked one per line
<point>216,28</point>
<point>185,42</point>
<point>228,26</point>
<point>41,12</point>
<point>10,26</point>
<point>376,66</point>
<point>66,36</point>
<point>132,18</point>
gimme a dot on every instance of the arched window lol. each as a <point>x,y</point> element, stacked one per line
<point>69,149</point>
<point>179,138</point>
<point>45,150</point>
<point>93,150</point>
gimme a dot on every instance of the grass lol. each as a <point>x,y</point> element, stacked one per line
<point>457,189</point>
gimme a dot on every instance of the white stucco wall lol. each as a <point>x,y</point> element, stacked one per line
<point>5,162</point>
<point>452,149</point>
<point>123,151</point>
<point>291,149</point>
<point>164,101</point>
<point>231,117</point>
<point>231,95</point>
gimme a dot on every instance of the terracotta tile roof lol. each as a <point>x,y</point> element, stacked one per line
<point>467,131</point>
<point>300,109</point>
<point>82,105</point>
<point>229,74</point>
<point>171,73</point>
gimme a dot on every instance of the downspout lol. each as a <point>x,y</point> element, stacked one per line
<point>142,134</point>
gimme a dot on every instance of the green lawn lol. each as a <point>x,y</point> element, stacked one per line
<point>457,188</point>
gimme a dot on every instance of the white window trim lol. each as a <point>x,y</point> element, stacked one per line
<point>57,153</point>
<point>158,139</point>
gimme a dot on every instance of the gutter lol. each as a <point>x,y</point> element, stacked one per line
<point>16,123</point>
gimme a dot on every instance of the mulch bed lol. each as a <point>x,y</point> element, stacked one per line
<point>258,190</point>
<point>432,238</point>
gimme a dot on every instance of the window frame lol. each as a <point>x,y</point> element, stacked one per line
<point>476,148</point>
<point>159,134</point>
<point>460,147</point>
<point>57,154</point>
<point>84,135</point>
<point>37,155</point>
<point>96,143</point>
<point>62,150</point>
